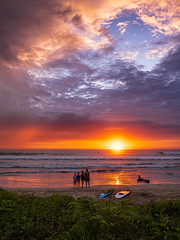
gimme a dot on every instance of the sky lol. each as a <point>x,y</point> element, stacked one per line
<point>85,74</point>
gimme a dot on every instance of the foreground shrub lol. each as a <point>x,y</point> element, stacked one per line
<point>63,218</point>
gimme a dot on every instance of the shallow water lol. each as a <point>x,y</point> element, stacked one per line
<point>55,168</point>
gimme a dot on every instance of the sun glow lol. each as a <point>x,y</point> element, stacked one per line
<point>116,146</point>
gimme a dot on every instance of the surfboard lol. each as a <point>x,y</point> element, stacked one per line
<point>122,194</point>
<point>143,180</point>
<point>103,195</point>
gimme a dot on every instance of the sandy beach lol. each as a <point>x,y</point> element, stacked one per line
<point>139,194</point>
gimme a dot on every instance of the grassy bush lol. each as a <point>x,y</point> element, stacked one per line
<point>63,218</point>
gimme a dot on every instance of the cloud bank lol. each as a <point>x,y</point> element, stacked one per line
<point>63,70</point>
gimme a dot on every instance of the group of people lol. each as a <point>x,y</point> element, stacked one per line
<point>79,179</point>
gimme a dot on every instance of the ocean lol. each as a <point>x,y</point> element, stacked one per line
<point>55,168</point>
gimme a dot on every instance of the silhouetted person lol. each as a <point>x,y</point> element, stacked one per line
<point>74,179</point>
<point>139,178</point>
<point>87,178</point>
<point>78,179</point>
<point>82,178</point>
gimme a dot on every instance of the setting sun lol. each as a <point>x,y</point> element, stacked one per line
<point>116,146</point>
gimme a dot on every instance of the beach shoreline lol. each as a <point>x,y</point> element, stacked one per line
<point>139,194</point>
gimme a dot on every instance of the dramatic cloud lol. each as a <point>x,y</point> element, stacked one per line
<point>77,69</point>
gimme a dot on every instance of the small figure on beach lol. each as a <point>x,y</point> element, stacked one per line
<point>140,179</point>
<point>78,179</point>
<point>87,178</point>
<point>82,178</point>
<point>74,179</point>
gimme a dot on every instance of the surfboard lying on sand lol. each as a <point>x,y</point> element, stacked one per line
<point>103,195</point>
<point>121,194</point>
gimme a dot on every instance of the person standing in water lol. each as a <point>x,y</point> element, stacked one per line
<point>78,179</point>
<point>82,178</point>
<point>87,178</point>
<point>74,179</point>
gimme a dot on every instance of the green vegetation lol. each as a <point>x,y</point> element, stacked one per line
<point>63,218</point>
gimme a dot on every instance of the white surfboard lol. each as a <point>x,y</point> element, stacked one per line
<point>121,194</point>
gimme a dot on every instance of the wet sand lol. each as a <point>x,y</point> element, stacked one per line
<point>139,194</point>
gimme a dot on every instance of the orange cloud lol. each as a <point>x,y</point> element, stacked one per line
<point>89,136</point>
<point>54,30</point>
<point>163,14</point>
